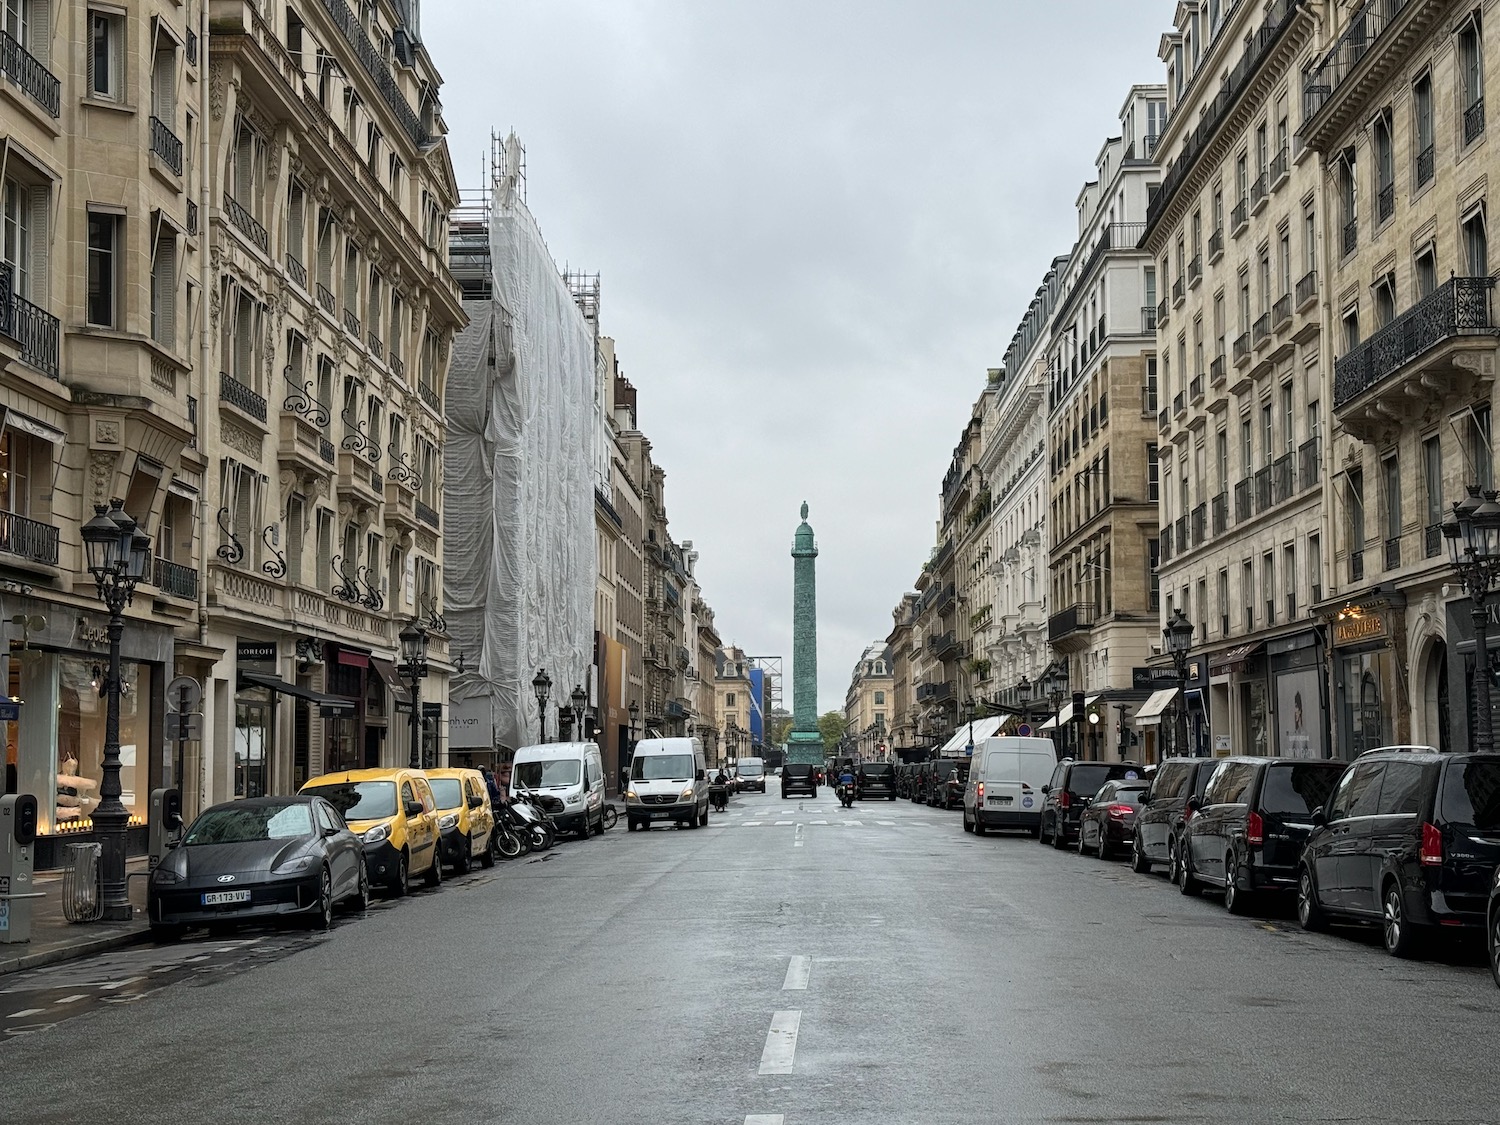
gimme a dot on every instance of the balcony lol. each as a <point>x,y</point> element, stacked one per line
<point>168,146</point>
<point>1200,524</point>
<point>1385,202</point>
<point>1351,236</point>
<point>192,47</point>
<point>1216,370</point>
<point>398,365</point>
<point>1166,543</point>
<point>1424,166</point>
<point>1239,215</point>
<point>1309,468</point>
<point>246,224</point>
<point>297,272</point>
<point>1432,540</point>
<point>1179,404</point>
<point>325,299</point>
<point>1077,618</point>
<point>1219,507</point>
<point>1281,166</point>
<point>1356,566</point>
<point>430,397</point>
<point>377,346</point>
<point>1327,104</point>
<point>935,692</point>
<point>1281,312</point>
<point>1195,269</point>
<point>1259,191</point>
<point>1283,478</point>
<point>1241,348</point>
<point>1307,289</point>
<point>1161,313</point>
<point>1473,121</point>
<point>1164,420</point>
<point>351,322</point>
<point>37,331</point>
<point>28,538</point>
<point>1393,553</point>
<point>241,397</point>
<point>1148,318</point>
<point>1262,489</point>
<point>176,580</point>
<point>21,67</point>
<point>192,217</point>
<point>1180,533</point>
<point>1261,331</point>
<point>945,646</point>
<point>1179,292</point>
<point>1216,245</point>
<point>375,66</point>
<point>1461,307</point>
<point>1195,388</point>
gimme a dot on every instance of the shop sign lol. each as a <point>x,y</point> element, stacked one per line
<point>255,652</point>
<point>1155,678</point>
<point>1354,626</point>
<point>1222,744</point>
<point>10,711</point>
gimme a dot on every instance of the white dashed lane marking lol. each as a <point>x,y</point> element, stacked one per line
<point>797,973</point>
<point>781,1043</point>
<point>765,1119</point>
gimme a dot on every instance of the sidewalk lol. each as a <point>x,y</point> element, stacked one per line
<point>54,938</point>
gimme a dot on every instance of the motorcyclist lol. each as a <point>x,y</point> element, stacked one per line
<point>719,790</point>
<point>846,780</point>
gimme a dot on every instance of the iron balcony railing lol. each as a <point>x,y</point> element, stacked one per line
<point>1262,330</point>
<point>1351,235</point>
<point>1307,287</point>
<point>1284,477</point>
<point>1473,120</point>
<point>1281,164</point>
<point>1148,318</point>
<point>325,298</point>
<point>1166,543</point>
<point>1432,540</point>
<point>1385,202</point>
<point>375,66</point>
<point>1460,306</point>
<point>1281,311</point>
<point>167,145</point>
<point>1241,347</point>
<point>232,391</point>
<point>22,68</point>
<point>1356,566</point>
<point>1164,420</point>
<point>430,397</point>
<point>1259,189</point>
<point>1179,403</point>
<point>31,539</point>
<point>37,331</point>
<point>192,47</point>
<point>1220,509</point>
<point>398,366</point>
<point>1216,369</point>
<point>351,322</point>
<point>1216,244</point>
<point>1424,165</point>
<point>192,217</point>
<point>1365,26</point>
<point>1200,524</point>
<point>175,579</point>
<point>1180,533</point>
<point>297,271</point>
<point>427,514</point>
<point>1309,468</point>
<point>1081,615</point>
<point>377,345</point>
<point>1161,313</point>
<point>1239,215</point>
<point>1195,388</point>
<point>1179,290</point>
<point>1262,489</point>
<point>246,223</point>
<point>1393,553</point>
<point>325,449</point>
<point>1195,269</point>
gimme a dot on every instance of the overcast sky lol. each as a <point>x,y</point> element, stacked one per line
<point>818,223</point>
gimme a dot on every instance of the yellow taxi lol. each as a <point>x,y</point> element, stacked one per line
<point>466,823</point>
<point>394,814</point>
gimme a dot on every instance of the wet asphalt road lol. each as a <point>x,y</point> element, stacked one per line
<point>795,959</point>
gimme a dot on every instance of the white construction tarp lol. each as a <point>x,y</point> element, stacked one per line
<point>519,549</point>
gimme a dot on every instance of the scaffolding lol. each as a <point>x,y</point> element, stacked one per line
<point>469,223</point>
<point>585,290</point>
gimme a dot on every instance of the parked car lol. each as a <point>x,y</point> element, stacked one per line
<point>466,823</point>
<point>1069,790</point>
<point>1158,824</point>
<point>919,782</point>
<point>876,780</point>
<point>1493,928</point>
<point>1108,821</point>
<point>259,858</point>
<point>1005,783</point>
<point>799,777</point>
<point>945,789</point>
<point>394,815</point>
<point>1247,831</point>
<point>1409,839</point>
<point>570,772</point>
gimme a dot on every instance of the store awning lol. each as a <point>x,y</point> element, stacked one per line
<point>399,691</point>
<point>1230,660</point>
<point>1065,716</point>
<point>327,704</point>
<point>1150,713</point>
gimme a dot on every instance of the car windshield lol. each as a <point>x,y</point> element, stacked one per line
<point>1297,790</point>
<point>1129,796</point>
<point>1085,781</point>
<point>1471,795</point>
<point>448,792</point>
<point>539,775</point>
<point>751,769</point>
<point>360,800</point>
<point>245,823</point>
<point>662,767</point>
<point>877,770</point>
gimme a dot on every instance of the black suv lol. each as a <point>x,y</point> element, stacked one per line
<point>1072,786</point>
<point>876,779</point>
<point>1411,839</point>
<point>1247,830</point>
<point>947,782</point>
<point>1158,825</point>
<point>921,778</point>
<point>798,777</point>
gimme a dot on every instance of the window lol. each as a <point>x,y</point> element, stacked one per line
<point>1476,243</point>
<point>1222,460</point>
<point>1153,560</point>
<point>1355,503</point>
<point>295,515</point>
<point>1244,301</point>
<point>104,233</point>
<point>1267,426</point>
<point>1287,428</point>
<point>1480,453</point>
<point>1315,566</point>
<point>1351,328</point>
<point>241,492</point>
<point>373,425</point>
<point>1219,325</point>
<point>1310,240</point>
<point>729,699</point>
<point>1432,478</point>
<point>1247,592</point>
<point>1385,300</point>
<point>1268,584</point>
<point>1150,287</point>
<point>1390,468</point>
<point>248,171</point>
<point>1385,167</point>
<point>27,212</point>
<point>25,473</point>
<point>1153,474</point>
<point>1424,272</point>
<point>1218,209</point>
<point>1247,453</point>
<point>1348,201</point>
<point>1421,104</point>
<point>164,82</point>
<point>1284,262</point>
<point>1471,77</point>
<point>106,55</point>
<point>164,290</point>
<point>1265,281</point>
<point>325,549</point>
<point>1242,176</point>
<point>879,698</point>
<point>1289,577</point>
<point>296,225</point>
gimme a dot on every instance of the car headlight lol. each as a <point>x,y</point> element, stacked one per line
<point>447,821</point>
<point>573,799</point>
<point>165,875</point>
<point>377,834</point>
<point>301,863</point>
<point>630,795</point>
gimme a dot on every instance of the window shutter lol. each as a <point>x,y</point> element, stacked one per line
<point>36,267</point>
<point>164,291</point>
<point>39,34</point>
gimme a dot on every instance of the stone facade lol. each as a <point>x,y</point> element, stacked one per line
<point>869,704</point>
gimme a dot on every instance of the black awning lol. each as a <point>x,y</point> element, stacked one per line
<point>399,691</point>
<point>327,704</point>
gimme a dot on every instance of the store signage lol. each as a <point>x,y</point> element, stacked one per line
<point>255,652</point>
<point>1353,627</point>
<point>10,712</point>
<point>1155,678</point>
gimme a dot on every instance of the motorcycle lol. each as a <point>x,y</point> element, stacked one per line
<point>718,797</point>
<point>512,832</point>
<point>846,796</point>
<point>532,808</point>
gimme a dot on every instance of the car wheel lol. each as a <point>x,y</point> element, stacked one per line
<point>464,862</point>
<point>979,828</point>
<point>1401,938</point>
<point>1495,946</point>
<point>434,876</point>
<point>166,934</point>
<point>1104,850</point>
<point>361,897</point>
<point>893,796</point>
<point>1138,861</point>
<point>402,882</point>
<point>487,857</point>
<point>1236,901</point>
<point>1310,914</point>
<point>703,819</point>
<point>1188,884</point>
<point>1174,863</point>
<point>1059,834</point>
<point>1081,849</point>
<point>968,824</point>
<point>322,917</point>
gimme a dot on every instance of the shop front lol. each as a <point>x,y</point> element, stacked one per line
<point>1456,697</point>
<point>262,732</point>
<point>1300,718</point>
<point>1370,708</point>
<point>1156,709</point>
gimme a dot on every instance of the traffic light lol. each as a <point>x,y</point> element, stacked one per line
<point>24,829</point>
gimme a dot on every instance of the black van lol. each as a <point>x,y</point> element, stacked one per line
<point>1409,839</point>
<point>1072,786</point>
<point>798,777</point>
<point>1158,825</point>
<point>947,782</point>
<point>1247,830</point>
<point>876,779</point>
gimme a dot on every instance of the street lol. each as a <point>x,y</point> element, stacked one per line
<point>793,963</point>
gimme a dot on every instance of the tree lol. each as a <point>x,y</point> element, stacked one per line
<point>831,725</point>
<point>778,726</point>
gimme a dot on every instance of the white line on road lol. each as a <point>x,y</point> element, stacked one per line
<point>797,837</point>
<point>70,999</point>
<point>886,823</point>
<point>855,823</point>
<point>752,824</point>
<point>121,983</point>
<point>765,1119</point>
<point>781,823</point>
<point>817,822</point>
<point>796,974</point>
<point>38,1011</point>
<point>781,1043</point>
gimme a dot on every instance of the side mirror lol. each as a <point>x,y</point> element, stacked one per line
<point>413,808</point>
<point>327,832</point>
<point>1193,804</point>
<point>1319,817</point>
<point>699,775</point>
<point>476,802</point>
<point>1046,789</point>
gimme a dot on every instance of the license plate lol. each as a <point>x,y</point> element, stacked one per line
<point>222,898</point>
<point>660,815</point>
<point>998,800</point>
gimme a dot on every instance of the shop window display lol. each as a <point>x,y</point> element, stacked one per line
<point>252,720</point>
<point>79,762</point>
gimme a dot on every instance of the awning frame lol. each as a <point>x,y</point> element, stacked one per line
<point>328,705</point>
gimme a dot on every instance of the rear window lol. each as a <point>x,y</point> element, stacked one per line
<point>877,769</point>
<point>1085,781</point>
<point>1130,796</point>
<point>1471,794</point>
<point>1297,790</point>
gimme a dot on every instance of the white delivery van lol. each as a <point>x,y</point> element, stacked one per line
<point>571,772</point>
<point>1005,783</point>
<point>752,773</point>
<point>668,782</point>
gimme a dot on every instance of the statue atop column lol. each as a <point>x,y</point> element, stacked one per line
<point>804,743</point>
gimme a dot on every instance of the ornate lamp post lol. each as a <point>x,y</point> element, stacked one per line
<point>1178,633</point>
<point>541,683</point>
<point>1023,694</point>
<point>579,701</point>
<point>969,710</point>
<point>118,554</point>
<point>1473,533</point>
<point>414,670</point>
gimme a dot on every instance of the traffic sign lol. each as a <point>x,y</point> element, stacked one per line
<point>1024,730</point>
<point>184,684</point>
<point>185,726</point>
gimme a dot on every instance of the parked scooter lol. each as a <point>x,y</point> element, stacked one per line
<point>512,832</point>
<point>531,807</point>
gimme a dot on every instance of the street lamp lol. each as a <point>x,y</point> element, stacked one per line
<point>579,700</point>
<point>969,710</point>
<point>1023,694</point>
<point>541,683</point>
<point>118,554</point>
<point>1473,534</point>
<point>414,670</point>
<point>1179,637</point>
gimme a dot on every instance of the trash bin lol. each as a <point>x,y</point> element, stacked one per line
<point>82,893</point>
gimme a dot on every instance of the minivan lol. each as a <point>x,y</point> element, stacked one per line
<point>1247,830</point>
<point>799,777</point>
<point>752,773</point>
<point>394,814</point>
<point>1071,787</point>
<point>668,782</point>
<point>876,779</point>
<point>1005,784</point>
<point>573,773</point>
<point>1409,839</point>
<point>1158,825</point>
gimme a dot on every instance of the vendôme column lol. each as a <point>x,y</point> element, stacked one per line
<point>804,744</point>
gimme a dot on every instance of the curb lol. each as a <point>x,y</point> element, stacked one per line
<point>102,944</point>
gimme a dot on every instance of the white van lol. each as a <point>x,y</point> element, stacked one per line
<point>668,781</point>
<point>573,772</point>
<point>752,773</point>
<point>1005,783</point>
